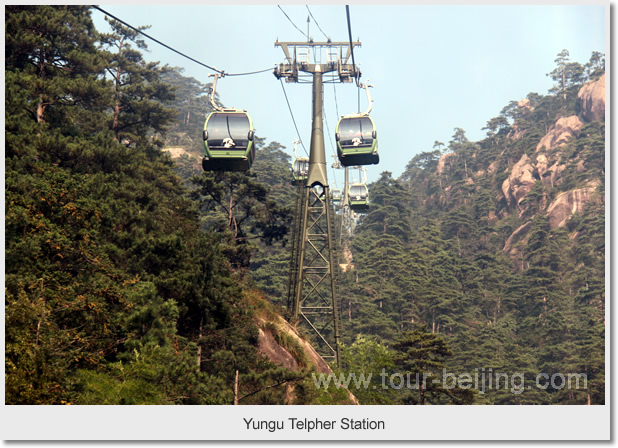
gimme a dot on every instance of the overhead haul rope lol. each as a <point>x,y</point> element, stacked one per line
<point>301,31</point>
<point>318,25</point>
<point>347,11</point>
<point>174,50</point>
<point>293,120</point>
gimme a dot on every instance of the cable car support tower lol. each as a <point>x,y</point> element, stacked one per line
<point>313,273</point>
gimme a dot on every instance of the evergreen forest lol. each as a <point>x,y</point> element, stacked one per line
<point>134,277</point>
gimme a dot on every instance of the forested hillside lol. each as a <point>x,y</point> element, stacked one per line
<point>495,248</point>
<point>133,277</point>
<point>498,246</point>
<point>114,294</point>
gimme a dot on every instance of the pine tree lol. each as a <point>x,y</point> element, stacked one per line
<point>420,356</point>
<point>139,95</point>
<point>53,65</point>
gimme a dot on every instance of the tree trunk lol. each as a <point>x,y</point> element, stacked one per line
<point>188,115</point>
<point>117,105</point>
<point>231,215</point>
<point>236,389</point>
<point>199,346</point>
<point>116,116</point>
<point>421,399</point>
<point>40,111</point>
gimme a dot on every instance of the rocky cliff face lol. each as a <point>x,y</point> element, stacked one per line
<point>442,162</point>
<point>525,172</point>
<point>519,182</point>
<point>281,343</point>
<point>592,100</point>
<point>564,130</point>
<point>549,166</point>
<point>556,160</point>
<point>568,203</point>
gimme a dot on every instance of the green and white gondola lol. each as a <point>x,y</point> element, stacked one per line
<point>358,197</point>
<point>228,141</point>
<point>300,171</point>
<point>357,142</point>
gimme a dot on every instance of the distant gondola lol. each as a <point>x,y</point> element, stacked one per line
<point>337,196</point>
<point>358,196</point>
<point>300,171</point>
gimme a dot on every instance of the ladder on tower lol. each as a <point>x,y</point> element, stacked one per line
<point>295,250</point>
<point>335,267</point>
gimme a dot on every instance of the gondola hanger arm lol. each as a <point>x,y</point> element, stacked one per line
<point>212,95</point>
<point>214,89</point>
<point>296,142</point>
<point>365,86</point>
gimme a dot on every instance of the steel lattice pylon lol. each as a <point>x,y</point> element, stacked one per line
<point>295,249</point>
<point>315,300</point>
<point>312,295</point>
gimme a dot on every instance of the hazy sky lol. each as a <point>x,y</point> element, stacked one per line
<point>433,67</point>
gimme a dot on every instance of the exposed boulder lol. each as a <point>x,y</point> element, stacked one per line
<point>493,166</point>
<point>525,106</point>
<point>268,346</point>
<point>567,203</point>
<point>175,151</point>
<point>592,100</point>
<point>442,162</point>
<point>516,132</point>
<point>541,165</point>
<point>519,182</point>
<point>564,129</point>
<point>555,171</point>
<point>295,353</point>
<point>349,260</point>
<point>519,235</point>
<point>270,337</point>
<point>548,175</point>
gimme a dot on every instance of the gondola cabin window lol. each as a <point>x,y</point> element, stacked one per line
<point>356,132</point>
<point>228,131</point>
<point>358,192</point>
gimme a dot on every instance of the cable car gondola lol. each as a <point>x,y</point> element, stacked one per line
<point>228,139</point>
<point>300,168</point>
<point>336,196</point>
<point>357,142</point>
<point>358,196</point>
<point>300,171</point>
<point>356,136</point>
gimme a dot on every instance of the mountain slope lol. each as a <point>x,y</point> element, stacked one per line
<point>497,245</point>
